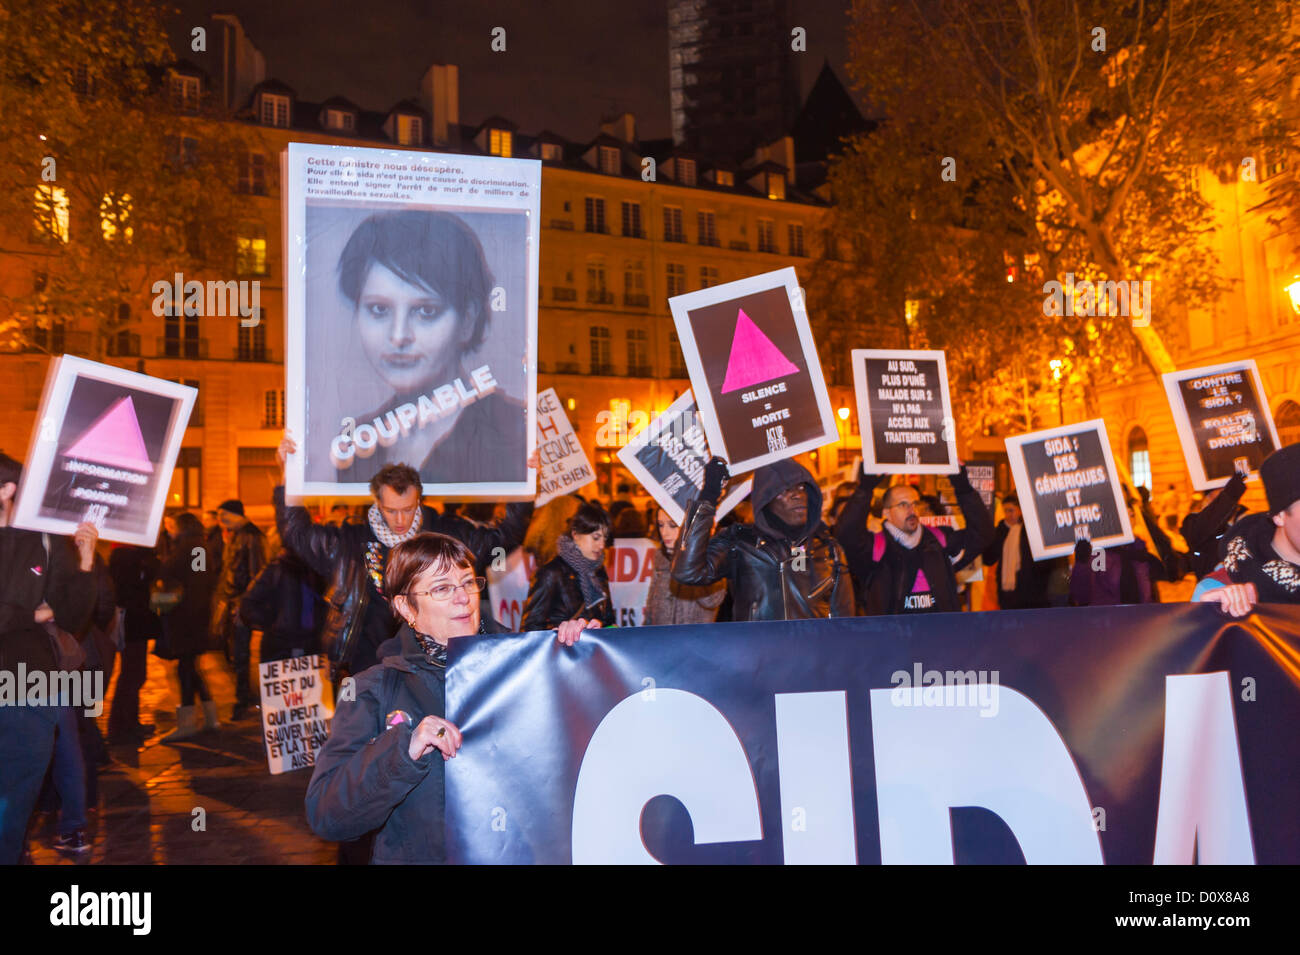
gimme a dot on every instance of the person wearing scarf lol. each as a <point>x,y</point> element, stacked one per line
<point>908,567</point>
<point>381,771</point>
<point>574,584</point>
<point>1261,552</point>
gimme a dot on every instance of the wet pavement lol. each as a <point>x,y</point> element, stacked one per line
<point>208,800</point>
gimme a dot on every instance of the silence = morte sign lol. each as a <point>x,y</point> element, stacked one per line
<point>563,465</point>
<point>668,457</point>
<point>1069,489</point>
<point>1223,420</point>
<point>904,411</point>
<point>296,711</point>
<point>754,369</point>
<point>103,450</point>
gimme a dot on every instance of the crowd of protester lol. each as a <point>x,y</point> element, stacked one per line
<point>382,590</point>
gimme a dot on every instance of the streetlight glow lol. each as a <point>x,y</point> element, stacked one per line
<point>844,414</point>
<point>1294,291</point>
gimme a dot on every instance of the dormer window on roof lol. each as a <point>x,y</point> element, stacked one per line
<point>552,152</point>
<point>775,185</point>
<point>724,177</point>
<point>343,120</point>
<point>685,171</point>
<point>410,130</point>
<point>501,142</point>
<point>274,110</point>
<point>185,92</point>
<point>610,161</point>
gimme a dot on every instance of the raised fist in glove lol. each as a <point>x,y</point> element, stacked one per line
<point>715,476</point>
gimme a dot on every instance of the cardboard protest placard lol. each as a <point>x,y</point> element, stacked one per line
<point>411,308</point>
<point>668,457</point>
<point>627,562</point>
<point>564,465</point>
<point>508,587</point>
<point>1223,420</point>
<point>296,711</point>
<point>754,369</point>
<point>103,451</point>
<point>1069,489</point>
<point>904,411</point>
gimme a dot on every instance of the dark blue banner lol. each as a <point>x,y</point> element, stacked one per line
<point>1129,735</point>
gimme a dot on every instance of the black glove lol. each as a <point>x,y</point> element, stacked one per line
<point>715,475</point>
<point>868,482</point>
<point>960,482</point>
<point>1144,493</point>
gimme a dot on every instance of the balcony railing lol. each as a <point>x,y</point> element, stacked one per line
<point>636,300</point>
<point>639,371</point>
<point>253,353</point>
<point>600,296</point>
<point>710,240</point>
<point>124,346</point>
<point>566,368</point>
<point>561,293</point>
<point>565,224</point>
<point>738,245</point>
<point>677,371</point>
<point>601,369</point>
<point>182,348</point>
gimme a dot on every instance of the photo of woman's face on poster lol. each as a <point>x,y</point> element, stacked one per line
<point>416,343</point>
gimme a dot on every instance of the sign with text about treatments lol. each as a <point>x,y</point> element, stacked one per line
<point>904,412</point>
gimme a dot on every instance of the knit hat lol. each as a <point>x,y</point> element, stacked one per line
<point>233,505</point>
<point>1281,474</point>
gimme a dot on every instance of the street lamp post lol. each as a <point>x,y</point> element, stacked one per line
<point>1056,365</point>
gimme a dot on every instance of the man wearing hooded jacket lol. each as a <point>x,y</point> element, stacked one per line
<point>907,567</point>
<point>784,566</point>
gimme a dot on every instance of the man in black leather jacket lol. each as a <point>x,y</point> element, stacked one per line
<point>242,559</point>
<point>784,566</point>
<point>352,557</point>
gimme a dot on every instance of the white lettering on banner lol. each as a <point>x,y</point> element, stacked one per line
<point>932,759</point>
<point>705,768</point>
<point>812,743</point>
<point>1202,791</point>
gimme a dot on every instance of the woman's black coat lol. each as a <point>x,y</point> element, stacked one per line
<point>556,596</point>
<point>185,628</point>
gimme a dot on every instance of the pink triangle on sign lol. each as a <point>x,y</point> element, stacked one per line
<point>114,439</point>
<point>754,359</point>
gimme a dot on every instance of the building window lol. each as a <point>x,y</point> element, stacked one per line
<point>180,335</point>
<point>707,227</point>
<point>766,235</point>
<point>775,186</point>
<point>638,364</point>
<point>610,160</point>
<point>1139,458</point>
<point>340,119</point>
<point>724,177</point>
<point>1287,422</point>
<point>551,152</point>
<point>500,142</point>
<point>595,207</point>
<point>185,152</point>
<point>252,174</point>
<point>51,216</point>
<point>676,360</point>
<point>410,130</point>
<point>686,171</point>
<point>51,336</point>
<point>187,479</point>
<point>252,341</point>
<point>273,409</point>
<point>600,355</point>
<point>634,287</point>
<point>597,292</point>
<point>632,220</point>
<point>250,249</point>
<point>673,224</point>
<point>185,92</point>
<point>708,276</point>
<point>115,217</point>
<point>794,233</point>
<point>275,110</point>
<point>676,279</point>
